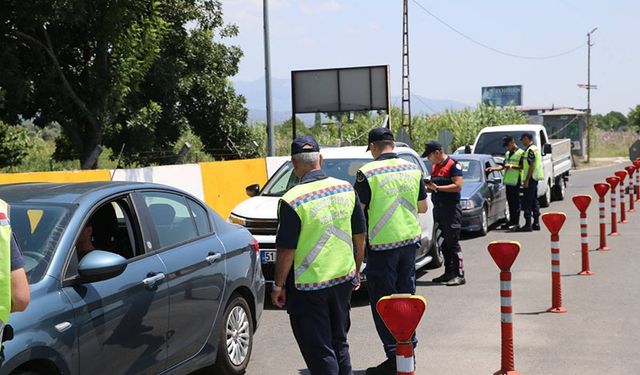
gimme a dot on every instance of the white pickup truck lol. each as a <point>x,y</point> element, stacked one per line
<point>556,155</point>
<point>259,213</point>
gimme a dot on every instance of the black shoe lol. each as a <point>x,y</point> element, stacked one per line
<point>506,226</point>
<point>444,278</point>
<point>458,280</point>
<point>535,227</point>
<point>387,367</point>
<point>525,228</point>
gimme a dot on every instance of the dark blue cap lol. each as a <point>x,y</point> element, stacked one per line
<point>430,147</point>
<point>379,134</point>
<point>506,140</point>
<point>527,134</point>
<point>305,143</point>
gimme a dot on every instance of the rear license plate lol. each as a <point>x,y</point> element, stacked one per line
<point>268,256</point>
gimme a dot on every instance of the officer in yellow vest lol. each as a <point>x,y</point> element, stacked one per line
<point>392,192</point>
<point>321,232</point>
<point>14,287</point>
<point>512,166</point>
<point>532,172</point>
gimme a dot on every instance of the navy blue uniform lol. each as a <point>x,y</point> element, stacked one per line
<point>388,271</point>
<point>447,213</point>
<point>513,196</point>
<point>530,204</point>
<point>319,318</point>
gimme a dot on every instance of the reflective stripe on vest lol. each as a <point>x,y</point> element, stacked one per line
<point>324,255</point>
<point>393,209</point>
<point>5,263</point>
<point>511,176</point>
<point>538,172</point>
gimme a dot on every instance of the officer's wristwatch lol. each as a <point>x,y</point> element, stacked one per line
<point>276,288</point>
<point>437,189</point>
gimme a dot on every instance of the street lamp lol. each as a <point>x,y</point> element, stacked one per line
<point>589,92</point>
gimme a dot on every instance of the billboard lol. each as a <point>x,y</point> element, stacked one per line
<point>340,90</point>
<point>502,96</point>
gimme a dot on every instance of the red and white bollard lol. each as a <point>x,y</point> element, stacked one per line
<point>601,190</point>
<point>401,313</point>
<point>582,203</point>
<point>623,211</point>
<point>613,182</point>
<point>636,164</point>
<point>554,221</point>
<point>504,254</point>
<point>631,171</point>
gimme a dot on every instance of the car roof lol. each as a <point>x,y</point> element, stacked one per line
<point>471,157</point>
<point>358,152</point>
<point>69,193</point>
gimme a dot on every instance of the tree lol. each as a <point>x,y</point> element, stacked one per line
<point>634,119</point>
<point>15,143</point>
<point>114,72</point>
<point>616,120</point>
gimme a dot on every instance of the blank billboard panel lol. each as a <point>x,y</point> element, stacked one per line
<point>340,90</point>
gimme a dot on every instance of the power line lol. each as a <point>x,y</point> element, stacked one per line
<point>426,105</point>
<point>483,45</point>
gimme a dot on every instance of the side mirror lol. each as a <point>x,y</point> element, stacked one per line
<point>546,149</point>
<point>99,265</point>
<point>467,149</point>
<point>252,190</point>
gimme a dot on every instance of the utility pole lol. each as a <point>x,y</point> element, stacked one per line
<point>589,93</point>
<point>405,117</point>
<point>271,141</point>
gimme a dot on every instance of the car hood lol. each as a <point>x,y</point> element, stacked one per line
<point>260,207</point>
<point>469,189</point>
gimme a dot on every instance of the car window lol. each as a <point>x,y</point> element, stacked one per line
<point>38,229</point>
<point>471,170</point>
<point>200,217</point>
<point>171,218</point>
<point>491,142</point>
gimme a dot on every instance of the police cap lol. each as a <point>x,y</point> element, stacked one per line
<point>430,147</point>
<point>305,143</point>
<point>506,140</point>
<point>379,134</point>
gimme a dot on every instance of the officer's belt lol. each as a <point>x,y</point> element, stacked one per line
<point>400,201</point>
<point>315,250</point>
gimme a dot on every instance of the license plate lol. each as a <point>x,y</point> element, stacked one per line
<point>268,256</point>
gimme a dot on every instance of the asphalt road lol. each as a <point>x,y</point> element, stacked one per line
<point>460,331</point>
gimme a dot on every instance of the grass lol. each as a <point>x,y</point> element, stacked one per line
<point>612,144</point>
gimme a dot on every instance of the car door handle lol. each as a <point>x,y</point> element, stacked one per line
<point>153,279</point>
<point>212,258</point>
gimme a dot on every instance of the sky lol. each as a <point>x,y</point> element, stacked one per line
<point>310,34</point>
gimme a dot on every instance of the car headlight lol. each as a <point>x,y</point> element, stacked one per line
<point>237,220</point>
<point>467,204</point>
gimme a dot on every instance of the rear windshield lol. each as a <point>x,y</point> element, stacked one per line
<point>285,179</point>
<point>38,229</point>
<point>491,143</point>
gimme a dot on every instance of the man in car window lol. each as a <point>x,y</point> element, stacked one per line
<point>392,193</point>
<point>85,244</point>
<point>320,221</point>
<point>14,287</point>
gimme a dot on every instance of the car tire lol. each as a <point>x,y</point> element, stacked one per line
<point>559,189</point>
<point>437,259</point>
<point>545,200</point>
<point>484,225</point>
<point>233,357</point>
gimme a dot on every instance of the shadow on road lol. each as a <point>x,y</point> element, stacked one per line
<point>355,372</point>
<point>533,313</point>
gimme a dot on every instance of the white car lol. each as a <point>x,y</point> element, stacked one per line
<point>259,213</point>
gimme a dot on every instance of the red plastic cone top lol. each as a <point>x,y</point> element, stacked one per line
<point>504,253</point>
<point>621,175</point>
<point>613,181</point>
<point>582,202</point>
<point>630,170</point>
<point>401,313</point>
<point>602,189</point>
<point>554,221</point>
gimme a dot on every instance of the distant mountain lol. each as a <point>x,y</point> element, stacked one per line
<point>254,93</point>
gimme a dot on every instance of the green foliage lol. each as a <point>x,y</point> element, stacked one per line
<point>634,119</point>
<point>15,144</point>
<point>611,121</point>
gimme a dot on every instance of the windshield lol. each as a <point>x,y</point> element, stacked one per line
<point>491,143</point>
<point>38,229</point>
<point>285,179</point>
<point>471,170</point>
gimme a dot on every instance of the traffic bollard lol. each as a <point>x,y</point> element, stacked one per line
<point>613,182</point>
<point>582,204</point>
<point>601,190</point>
<point>631,171</point>
<point>504,254</point>
<point>401,313</point>
<point>636,164</point>
<point>623,212</point>
<point>554,221</point>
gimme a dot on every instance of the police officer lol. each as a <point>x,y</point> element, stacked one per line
<point>392,192</point>
<point>14,287</point>
<point>532,172</point>
<point>512,166</point>
<point>446,184</point>
<point>320,222</point>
